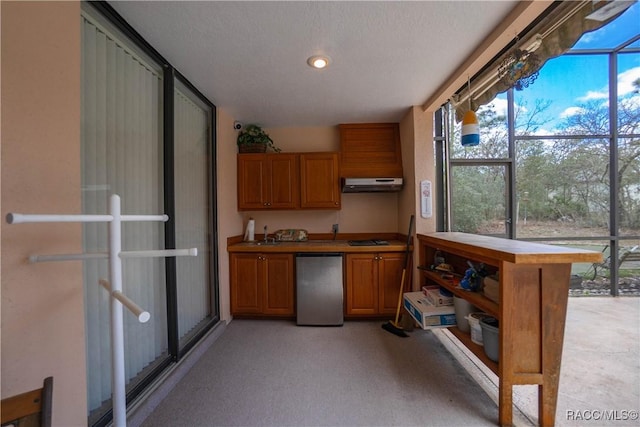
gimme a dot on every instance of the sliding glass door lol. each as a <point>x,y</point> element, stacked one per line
<point>147,136</point>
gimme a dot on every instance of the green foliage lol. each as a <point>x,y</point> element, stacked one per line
<point>478,193</point>
<point>254,134</point>
<point>566,179</point>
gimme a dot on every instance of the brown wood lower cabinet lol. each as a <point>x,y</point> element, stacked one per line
<point>262,284</point>
<point>372,283</point>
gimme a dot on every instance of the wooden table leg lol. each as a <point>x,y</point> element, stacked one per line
<point>505,404</point>
<point>555,296</point>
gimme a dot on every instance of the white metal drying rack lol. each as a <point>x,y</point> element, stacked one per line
<point>113,286</point>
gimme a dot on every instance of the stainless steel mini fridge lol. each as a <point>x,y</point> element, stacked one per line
<point>319,289</point>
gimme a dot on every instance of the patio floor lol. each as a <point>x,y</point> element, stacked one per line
<point>600,374</point>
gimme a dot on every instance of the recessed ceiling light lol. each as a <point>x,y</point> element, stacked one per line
<point>318,61</point>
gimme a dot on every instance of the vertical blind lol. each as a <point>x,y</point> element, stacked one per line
<point>192,213</point>
<point>121,154</point>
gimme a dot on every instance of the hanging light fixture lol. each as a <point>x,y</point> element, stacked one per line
<point>470,128</point>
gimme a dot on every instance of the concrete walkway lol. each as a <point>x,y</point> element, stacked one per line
<point>600,374</point>
<point>600,362</point>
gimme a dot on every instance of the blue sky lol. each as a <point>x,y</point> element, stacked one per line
<point>569,81</point>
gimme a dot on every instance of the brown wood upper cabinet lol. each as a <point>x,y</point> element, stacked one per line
<point>268,181</point>
<point>370,150</point>
<point>319,181</point>
<point>280,181</point>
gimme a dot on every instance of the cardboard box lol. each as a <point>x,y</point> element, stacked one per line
<point>427,315</point>
<point>435,297</point>
<point>491,289</point>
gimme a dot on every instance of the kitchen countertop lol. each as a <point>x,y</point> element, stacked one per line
<point>315,246</point>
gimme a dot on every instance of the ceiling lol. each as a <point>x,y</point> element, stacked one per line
<point>249,58</point>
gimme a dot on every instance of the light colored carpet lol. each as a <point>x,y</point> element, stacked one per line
<point>274,373</point>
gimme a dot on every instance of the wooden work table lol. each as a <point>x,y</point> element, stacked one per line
<point>534,290</point>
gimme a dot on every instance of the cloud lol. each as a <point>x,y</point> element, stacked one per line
<point>499,105</point>
<point>626,79</point>
<point>592,94</point>
<point>571,111</point>
<point>625,86</point>
<point>544,132</point>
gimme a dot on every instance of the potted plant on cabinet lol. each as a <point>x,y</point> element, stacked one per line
<point>253,139</point>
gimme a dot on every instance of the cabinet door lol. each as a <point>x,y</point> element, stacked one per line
<point>268,181</point>
<point>390,267</point>
<point>319,181</point>
<point>283,181</point>
<point>246,283</point>
<point>370,149</point>
<point>253,187</point>
<point>362,284</point>
<point>279,283</point>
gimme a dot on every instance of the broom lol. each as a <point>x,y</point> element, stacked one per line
<point>394,326</point>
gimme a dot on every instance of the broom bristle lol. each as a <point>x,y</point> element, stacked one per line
<point>390,327</point>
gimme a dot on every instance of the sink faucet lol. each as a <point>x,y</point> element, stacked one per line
<point>265,234</point>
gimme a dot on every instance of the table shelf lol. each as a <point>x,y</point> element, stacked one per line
<point>476,349</point>
<point>475,298</point>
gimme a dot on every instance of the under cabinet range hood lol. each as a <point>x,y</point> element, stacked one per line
<point>371,185</point>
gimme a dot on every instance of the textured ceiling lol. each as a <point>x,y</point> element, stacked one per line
<point>249,58</point>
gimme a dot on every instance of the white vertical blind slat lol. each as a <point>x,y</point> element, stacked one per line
<point>191,153</point>
<point>121,146</point>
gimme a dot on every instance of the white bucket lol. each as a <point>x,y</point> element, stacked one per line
<point>462,309</point>
<point>476,329</point>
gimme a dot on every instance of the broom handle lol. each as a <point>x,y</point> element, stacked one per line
<point>404,270</point>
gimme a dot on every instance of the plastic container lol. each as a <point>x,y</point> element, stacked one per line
<point>490,333</point>
<point>474,324</point>
<point>462,308</point>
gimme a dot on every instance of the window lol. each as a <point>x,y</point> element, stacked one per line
<point>559,161</point>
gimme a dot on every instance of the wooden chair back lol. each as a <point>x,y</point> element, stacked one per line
<point>32,408</point>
